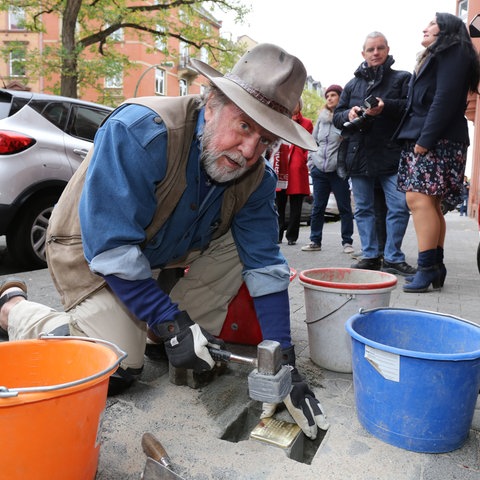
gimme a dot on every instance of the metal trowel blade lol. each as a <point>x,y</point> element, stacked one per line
<point>156,471</point>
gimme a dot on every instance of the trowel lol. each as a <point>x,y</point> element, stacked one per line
<point>158,465</point>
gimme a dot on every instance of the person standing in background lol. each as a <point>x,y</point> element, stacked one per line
<point>297,184</point>
<point>279,160</point>
<point>322,164</point>
<point>465,193</point>
<point>435,134</point>
<point>370,108</point>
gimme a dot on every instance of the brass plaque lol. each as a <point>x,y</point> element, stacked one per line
<point>276,432</point>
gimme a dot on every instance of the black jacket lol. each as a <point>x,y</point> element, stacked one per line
<point>371,150</point>
<point>437,100</point>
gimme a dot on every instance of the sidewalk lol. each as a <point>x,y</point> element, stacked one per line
<point>191,422</point>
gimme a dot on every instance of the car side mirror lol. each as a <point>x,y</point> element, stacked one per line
<point>474,27</point>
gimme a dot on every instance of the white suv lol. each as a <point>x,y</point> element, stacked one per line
<point>43,139</point>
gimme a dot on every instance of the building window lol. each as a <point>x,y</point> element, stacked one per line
<point>159,81</point>
<point>463,10</point>
<point>206,29</point>
<point>184,54</point>
<point>182,15</point>
<point>160,40</point>
<point>17,62</point>
<point>16,18</point>
<point>183,87</point>
<point>184,49</point>
<point>117,35</point>
<point>204,55</point>
<point>116,81</point>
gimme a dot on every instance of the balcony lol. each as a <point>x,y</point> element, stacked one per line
<point>185,70</point>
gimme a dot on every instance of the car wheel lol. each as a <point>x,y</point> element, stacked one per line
<point>26,240</point>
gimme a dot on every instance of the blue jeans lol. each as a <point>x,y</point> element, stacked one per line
<point>396,220</point>
<point>323,184</point>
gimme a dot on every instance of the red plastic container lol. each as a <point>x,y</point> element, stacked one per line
<point>241,323</point>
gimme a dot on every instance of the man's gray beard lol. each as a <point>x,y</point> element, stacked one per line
<point>219,174</point>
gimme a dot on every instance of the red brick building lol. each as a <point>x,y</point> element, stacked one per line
<point>468,9</point>
<point>151,73</point>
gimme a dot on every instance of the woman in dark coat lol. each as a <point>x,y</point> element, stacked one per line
<point>435,134</point>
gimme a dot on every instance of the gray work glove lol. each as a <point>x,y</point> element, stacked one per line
<point>303,406</point>
<point>186,346</point>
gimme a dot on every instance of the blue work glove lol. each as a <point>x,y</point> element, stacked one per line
<point>303,406</point>
<point>186,343</point>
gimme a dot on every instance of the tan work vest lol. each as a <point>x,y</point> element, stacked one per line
<point>66,262</point>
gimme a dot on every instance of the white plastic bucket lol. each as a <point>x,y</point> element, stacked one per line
<point>332,296</point>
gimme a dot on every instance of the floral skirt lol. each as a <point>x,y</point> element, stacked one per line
<point>439,172</point>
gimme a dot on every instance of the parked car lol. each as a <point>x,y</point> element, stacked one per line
<point>331,212</point>
<point>43,140</point>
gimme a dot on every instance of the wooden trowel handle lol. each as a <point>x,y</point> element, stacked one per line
<point>154,449</point>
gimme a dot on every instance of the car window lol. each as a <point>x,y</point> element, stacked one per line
<point>4,107</point>
<point>57,113</point>
<point>84,121</point>
<point>54,112</point>
<point>10,105</point>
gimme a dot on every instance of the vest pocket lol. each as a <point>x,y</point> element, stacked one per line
<point>69,269</point>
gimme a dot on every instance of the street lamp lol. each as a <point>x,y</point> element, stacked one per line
<point>164,64</point>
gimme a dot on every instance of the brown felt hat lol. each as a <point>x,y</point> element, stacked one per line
<point>266,83</point>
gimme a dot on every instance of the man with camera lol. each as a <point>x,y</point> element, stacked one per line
<point>369,110</point>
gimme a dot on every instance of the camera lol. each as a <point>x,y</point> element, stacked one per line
<point>359,122</point>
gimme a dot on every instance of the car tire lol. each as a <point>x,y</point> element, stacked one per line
<point>26,239</point>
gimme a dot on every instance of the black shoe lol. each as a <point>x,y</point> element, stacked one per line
<point>368,264</point>
<point>122,379</point>
<point>5,297</point>
<point>401,268</point>
<point>292,242</point>
<point>156,351</point>
<point>11,282</point>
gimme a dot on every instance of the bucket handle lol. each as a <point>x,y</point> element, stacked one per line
<point>349,297</point>
<point>362,311</point>
<point>121,355</point>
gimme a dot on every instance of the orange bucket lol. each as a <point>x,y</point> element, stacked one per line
<point>52,398</point>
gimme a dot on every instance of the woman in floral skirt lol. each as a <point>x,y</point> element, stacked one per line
<point>435,135</point>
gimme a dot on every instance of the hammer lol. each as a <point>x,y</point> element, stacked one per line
<point>270,381</point>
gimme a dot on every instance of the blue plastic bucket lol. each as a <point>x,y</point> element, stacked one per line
<point>416,376</point>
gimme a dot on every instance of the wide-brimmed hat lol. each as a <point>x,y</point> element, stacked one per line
<point>266,83</point>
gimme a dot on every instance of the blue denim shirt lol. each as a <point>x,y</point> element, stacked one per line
<point>118,202</point>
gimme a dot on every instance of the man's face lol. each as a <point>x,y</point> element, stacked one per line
<point>232,142</point>
<point>375,51</point>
